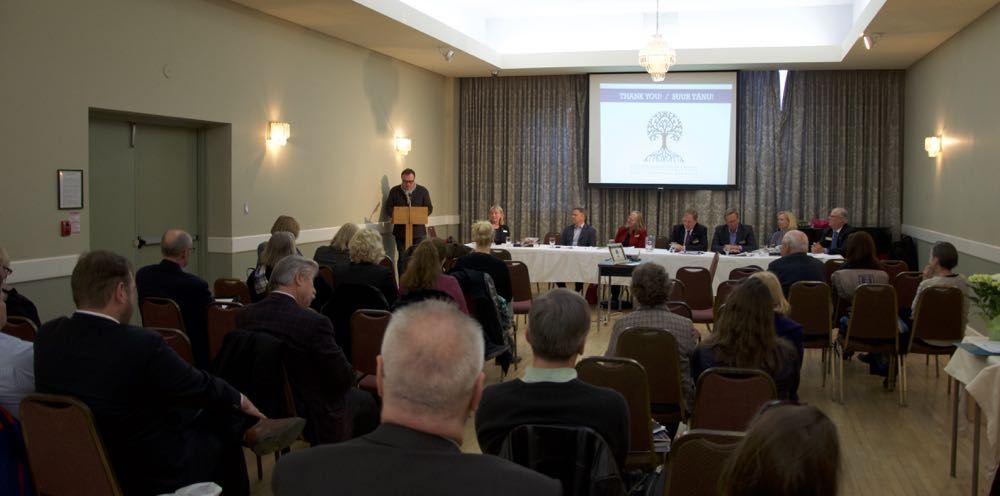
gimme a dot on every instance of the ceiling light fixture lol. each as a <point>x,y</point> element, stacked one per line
<point>447,53</point>
<point>657,56</point>
<point>869,39</point>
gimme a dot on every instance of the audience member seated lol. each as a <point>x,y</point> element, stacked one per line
<point>424,271</point>
<point>860,267</point>
<point>501,231</point>
<point>789,450</point>
<point>167,279</point>
<point>482,260</point>
<point>338,251</point>
<point>733,237</point>
<point>550,392</point>
<point>784,327</point>
<point>834,238</point>
<point>430,378</point>
<point>17,371</point>
<point>938,272</point>
<point>17,304</point>
<point>786,222</point>
<point>689,235</point>
<point>281,245</point>
<point>164,423</point>
<point>650,289</point>
<point>318,371</point>
<point>795,264</point>
<point>366,252</point>
<point>632,234</point>
<point>744,337</point>
<point>284,223</point>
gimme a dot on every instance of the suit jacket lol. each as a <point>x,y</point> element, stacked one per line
<point>588,236</point>
<point>420,197</point>
<point>318,371</point>
<point>826,239</point>
<point>141,394</point>
<point>168,280</point>
<point>796,267</point>
<point>370,274</point>
<point>698,240</point>
<point>637,239</point>
<point>744,238</point>
<point>395,460</point>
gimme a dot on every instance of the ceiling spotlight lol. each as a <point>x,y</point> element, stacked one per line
<point>870,39</point>
<point>495,73</point>
<point>447,53</point>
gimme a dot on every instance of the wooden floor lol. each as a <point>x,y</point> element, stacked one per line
<point>887,449</point>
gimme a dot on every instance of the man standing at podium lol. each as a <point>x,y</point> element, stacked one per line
<point>407,194</point>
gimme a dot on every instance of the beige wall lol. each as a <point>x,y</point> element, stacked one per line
<point>227,65</point>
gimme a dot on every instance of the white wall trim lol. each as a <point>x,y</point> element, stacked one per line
<point>242,244</point>
<point>975,248</point>
<point>36,269</point>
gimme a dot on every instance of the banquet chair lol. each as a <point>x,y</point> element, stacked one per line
<point>812,307</point>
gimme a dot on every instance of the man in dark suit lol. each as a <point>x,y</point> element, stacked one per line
<point>318,371</point>
<point>430,378</point>
<point>407,194</point>
<point>164,423</point>
<point>834,238</point>
<point>795,264</point>
<point>550,393</point>
<point>733,237</point>
<point>579,233</point>
<point>689,235</point>
<point>167,279</point>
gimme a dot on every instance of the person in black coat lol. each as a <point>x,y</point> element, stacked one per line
<point>579,233</point>
<point>733,237</point>
<point>167,279</point>
<point>795,264</point>
<point>834,238</point>
<point>483,260</point>
<point>689,235</point>
<point>407,194</point>
<point>366,253</point>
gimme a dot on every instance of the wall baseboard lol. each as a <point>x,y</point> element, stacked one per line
<point>977,249</point>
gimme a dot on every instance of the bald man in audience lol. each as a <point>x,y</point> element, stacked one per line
<point>795,264</point>
<point>833,239</point>
<point>430,378</point>
<point>550,392</point>
<point>167,279</point>
<point>164,423</point>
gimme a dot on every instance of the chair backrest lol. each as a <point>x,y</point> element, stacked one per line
<point>811,306</point>
<point>727,398</point>
<point>657,351</point>
<point>220,319</point>
<point>520,280</point>
<point>232,288</point>
<point>696,461</point>
<point>20,327</point>
<point>161,312</point>
<point>677,292</point>
<point>628,378</point>
<point>697,286</point>
<point>939,314</point>
<point>722,294</point>
<point>662,243</point>
<point>831,266</point>
<point>906,284</point>
<point>743,272</point>
<point>64,448</point>
<point>346,299</point>
<point>327,274</point>
<point>177,341</point>
<point>367,330</point>
<point>552,235</point>
<point>387,263</point>
<point>575,455</point>
<point>893,268</point>
<point>680,308</point>
<point>500,253</point>
<point>874,314</point>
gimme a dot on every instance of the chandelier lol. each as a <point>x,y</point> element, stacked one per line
<point>657,56</point>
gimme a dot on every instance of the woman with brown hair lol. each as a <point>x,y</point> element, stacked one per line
<point>744,337</point>
<point>424,271</point>
<point>861,266</point>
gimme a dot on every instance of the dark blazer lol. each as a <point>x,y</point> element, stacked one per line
<point>371,274</point>
<point>318,371</point>
<point>501,234</point>
<point>491,265</point>
<point>420,197</point>
<point>698,240</point>
<point>826,239</point>
<point>142,395</point>
<point>330,256</point>
<point>395,460</point>
<point>588,236</point>
<point>796,267</point>
<point>744,238</point>
<point>168,280</point>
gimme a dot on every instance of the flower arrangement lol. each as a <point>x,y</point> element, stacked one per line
<point>986,289</point>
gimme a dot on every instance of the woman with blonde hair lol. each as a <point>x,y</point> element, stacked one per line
<point>501,231</point>
<point>424,271</point>
<point>366,250</point>
<point>338,251</point>
<point>633,233</point>
<point>786,222</point>
<point>784,327</point>
<point>482,259</point>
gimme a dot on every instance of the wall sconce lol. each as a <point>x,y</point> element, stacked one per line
<point>403,145</point>
<point>933,145</point>
<point>278,133</point>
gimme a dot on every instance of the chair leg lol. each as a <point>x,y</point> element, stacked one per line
<point>937,367</point>
<point>927,359</point>
<point>838,367</point>
<point>260,469</point>
<point>823,364</point>
<point>902,380</point>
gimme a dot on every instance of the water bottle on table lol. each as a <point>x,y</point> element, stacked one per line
<point>650,242</point>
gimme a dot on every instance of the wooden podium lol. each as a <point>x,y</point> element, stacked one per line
<point>409,216</point>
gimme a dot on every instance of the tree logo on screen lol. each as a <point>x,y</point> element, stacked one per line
<point>661,126</point>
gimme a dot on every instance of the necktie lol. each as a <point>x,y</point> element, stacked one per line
<point>687,235</point>
<point>833,242</point>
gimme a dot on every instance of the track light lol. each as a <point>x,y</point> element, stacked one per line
<point>870,39</point>
<point>447,53</point>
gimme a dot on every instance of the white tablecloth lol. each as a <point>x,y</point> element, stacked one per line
<point>981,376</point>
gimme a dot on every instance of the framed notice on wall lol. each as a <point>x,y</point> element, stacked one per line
<point>70,189</point>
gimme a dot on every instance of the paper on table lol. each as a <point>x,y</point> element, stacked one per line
<point>990,346</point>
